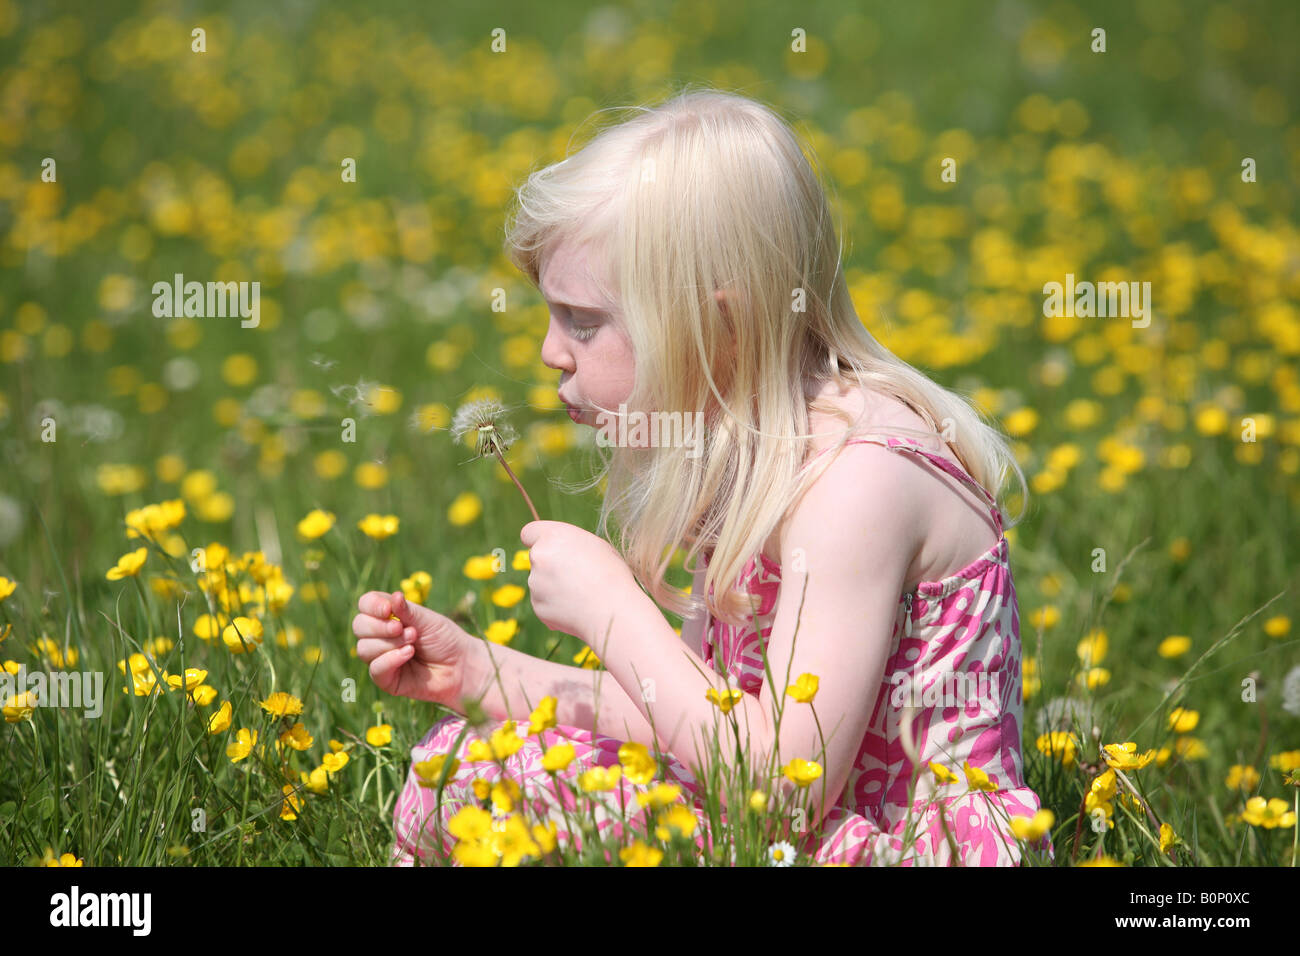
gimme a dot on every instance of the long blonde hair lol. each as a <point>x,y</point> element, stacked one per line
<point>709,191</point>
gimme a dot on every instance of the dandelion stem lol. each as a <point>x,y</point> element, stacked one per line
<point>501,458</point>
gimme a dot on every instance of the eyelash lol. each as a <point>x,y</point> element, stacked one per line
<point>584,332</point>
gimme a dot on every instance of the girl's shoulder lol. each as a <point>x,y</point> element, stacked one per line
<point>868,410</point>
<point>955,518</point>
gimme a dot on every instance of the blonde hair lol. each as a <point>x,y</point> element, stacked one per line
<point>710,191</point>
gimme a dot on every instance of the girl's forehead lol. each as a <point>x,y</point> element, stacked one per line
<point>570,275</point>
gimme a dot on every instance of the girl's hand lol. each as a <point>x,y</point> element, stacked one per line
<point>577,579</point>
<point>419,655</point>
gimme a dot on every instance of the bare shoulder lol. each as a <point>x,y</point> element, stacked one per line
<point>864,474</point>
<point>866,508</point>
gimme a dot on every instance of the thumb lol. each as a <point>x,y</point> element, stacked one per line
<point>403,610</point>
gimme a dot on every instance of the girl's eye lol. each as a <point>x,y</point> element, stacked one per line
<point>584,332</point>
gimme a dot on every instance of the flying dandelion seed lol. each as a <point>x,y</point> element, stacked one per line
<point>486,418</point>
<point>358,395</point>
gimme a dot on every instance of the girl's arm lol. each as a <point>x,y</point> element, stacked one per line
<point>512,683</point>
<point>856,530</point>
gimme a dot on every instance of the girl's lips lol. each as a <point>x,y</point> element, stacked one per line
<point>574,412</point>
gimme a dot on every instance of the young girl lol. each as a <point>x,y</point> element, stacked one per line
<point>841,506</point>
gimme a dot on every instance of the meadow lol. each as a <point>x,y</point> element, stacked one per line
<point>190,506</point>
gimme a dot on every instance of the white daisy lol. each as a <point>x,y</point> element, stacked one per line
<point>781,854</point>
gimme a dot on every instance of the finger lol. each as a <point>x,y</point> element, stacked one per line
<point>385,667</point>
<point>376,603</point>
<point>368,648</point>
<point>363,625</point>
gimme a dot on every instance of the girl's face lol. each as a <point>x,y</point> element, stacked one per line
<point>584,341</point>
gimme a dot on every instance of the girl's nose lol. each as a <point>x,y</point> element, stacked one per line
<point>554,355</point>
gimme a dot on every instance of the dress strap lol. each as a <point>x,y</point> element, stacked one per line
<point>896,443</point>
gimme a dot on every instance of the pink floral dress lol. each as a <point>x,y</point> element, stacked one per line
<point>952,684</point>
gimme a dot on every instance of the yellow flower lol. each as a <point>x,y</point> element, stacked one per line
<point>1045,617</point>
<point>1125,756</point>
<point>508,595</point>
<point>335,762</point>
<point>521,561</point>
<point>66,859</point>
<point>558,757</point>
<point>128,565</point>
<point>464,509</point>
<point>640,854</point>
<point>639,765</point>
<point>1093,678</point>
<point>471,823</point>
<point>1286,761</point>
<point>245,739</point>
<point>317,781</point>
<point>1059,744</point>
<point>379,736</point>
<point>19,707</point>
<point>660,795</point>
<point>1175,645</point>
<point>192,679</point>
<point>220,721</point>
<point>514,842</point>
<point>545,836</point>
<point>725,700</point>
<point>504,793</point>
<point>677,818</point>
<point>502,743</point>
<point>1020,422</point>
<point>600,778</point>
<point>1268,813</point>
<point>1241,777</point>
<point>758,801</point>
<point>429,772</point>
<point>243,633</point>
<point>942,775</point>
<point>1182,721</point>
<point>315,524</point>
<point>1278,626</point>
<point>543,716</point>
<point>281,704</point>
<point>480,567</point>
<point>417,587</point>
<point>502,632</point>
<point>802,772</point>
<point>1102,861</point>
<point>587,658</point>
<point>1191,748</point>
<point>378,526</point>
<point>977,779</point>
<point>1092,649</point>
<point>297,737</point>
<point>1167,837</point>
<point>6,587</point>
<point>804,689</point>
<point>291,804</point>
<point>1032,829</point>
<point>208,626</point>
